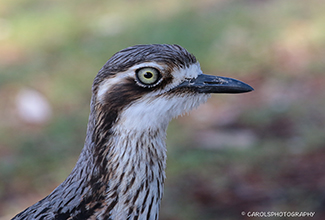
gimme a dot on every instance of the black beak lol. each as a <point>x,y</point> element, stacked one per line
<point>215,84</point>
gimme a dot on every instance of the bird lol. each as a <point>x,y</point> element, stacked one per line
<point>120,172</point>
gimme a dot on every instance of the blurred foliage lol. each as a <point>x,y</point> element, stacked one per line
<point>262,151</point>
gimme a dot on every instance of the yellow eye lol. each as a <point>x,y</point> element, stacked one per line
<point>148,75</point>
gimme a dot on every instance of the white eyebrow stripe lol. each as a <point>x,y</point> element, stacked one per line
<point>118,78</point>
<point>147,64</point>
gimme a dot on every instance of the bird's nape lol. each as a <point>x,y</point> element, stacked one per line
<point>121,171</point>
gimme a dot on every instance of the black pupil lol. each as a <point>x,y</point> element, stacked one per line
<point>148,75</point>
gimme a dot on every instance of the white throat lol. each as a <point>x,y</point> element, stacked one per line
<point>156,112</point>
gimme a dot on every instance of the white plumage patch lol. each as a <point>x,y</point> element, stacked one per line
<point>156,112</point>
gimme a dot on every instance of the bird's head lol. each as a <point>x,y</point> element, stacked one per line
<point>145,86</point>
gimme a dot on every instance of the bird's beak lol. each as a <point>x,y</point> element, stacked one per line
<point>215,84</point>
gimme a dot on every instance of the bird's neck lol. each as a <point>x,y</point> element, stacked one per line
<point>128,172</point>
<point>136,168</point>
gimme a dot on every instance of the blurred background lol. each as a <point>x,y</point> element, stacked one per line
<point>260,151</point>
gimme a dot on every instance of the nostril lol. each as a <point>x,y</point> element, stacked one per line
<point>213,82</point>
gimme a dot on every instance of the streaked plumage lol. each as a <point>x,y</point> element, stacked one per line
<point>121,170</point>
